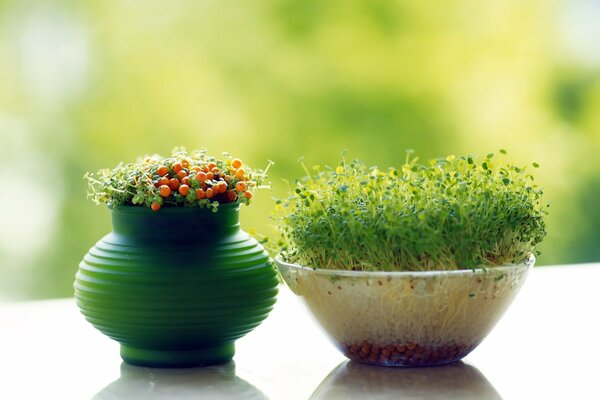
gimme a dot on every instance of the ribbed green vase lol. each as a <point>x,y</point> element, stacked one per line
<point>176,287</point>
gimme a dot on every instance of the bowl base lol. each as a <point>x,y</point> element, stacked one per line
<point>178,358</point>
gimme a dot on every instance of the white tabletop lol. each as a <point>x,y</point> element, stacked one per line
<point>544,348</point>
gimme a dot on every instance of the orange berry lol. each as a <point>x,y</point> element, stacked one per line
<point>205,169</point>
<point>211,165</point>
<point>217,189</point>
<point>201,176</point>
<point>200,194</point>
<point>174,184</point>
<point>215,170</point>
<point>185,164</point>
<point>240,186</point>
<point>236,163</point>
<point>209,193</point>
<point>181,174</point>
<point>184,190</point>
<point>248,195</point>
<point>162,170</point>
<point>163,181</point>
<point>210,176</point>
<point>177,167</point>
<point>231,196</point>
<point>164,191</point>
<point>240,173</point>
<point>155,206</point>
<point>195,169</point>
<point>185,180</point>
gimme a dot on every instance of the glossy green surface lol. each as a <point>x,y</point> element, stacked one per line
<point>176,287</point>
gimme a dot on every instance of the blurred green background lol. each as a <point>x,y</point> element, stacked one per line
<point>84,85</point>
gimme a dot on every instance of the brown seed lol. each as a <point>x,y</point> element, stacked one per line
<point>419,355</point>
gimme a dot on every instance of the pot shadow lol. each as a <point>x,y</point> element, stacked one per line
<point>218,381</point>
<point>354,380</point>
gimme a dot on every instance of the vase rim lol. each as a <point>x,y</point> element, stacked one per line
<point>170,210</point>
<point>528,263</point>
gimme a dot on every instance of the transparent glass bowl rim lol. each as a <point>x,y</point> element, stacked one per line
<point>422,274</point>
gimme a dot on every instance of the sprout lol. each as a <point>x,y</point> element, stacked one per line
<point>451,213</point>
<point>181,180</point>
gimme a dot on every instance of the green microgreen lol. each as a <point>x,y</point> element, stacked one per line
<point>450,213</point>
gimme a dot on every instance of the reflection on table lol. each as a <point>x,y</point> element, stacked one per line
<point>191,383</point>
<point>455,381</point>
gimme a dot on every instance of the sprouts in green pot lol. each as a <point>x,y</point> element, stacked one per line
<point>451,213</point>
<point>183,179</point>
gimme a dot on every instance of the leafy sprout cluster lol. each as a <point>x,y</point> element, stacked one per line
<point>181,180</point>
<point>450,213</point>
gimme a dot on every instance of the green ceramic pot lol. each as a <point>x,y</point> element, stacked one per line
<point>176,287</point>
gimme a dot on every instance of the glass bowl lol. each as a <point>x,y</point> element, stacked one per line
<point>406,318</point>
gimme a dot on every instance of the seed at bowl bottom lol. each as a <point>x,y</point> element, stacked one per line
<point>409,354</point>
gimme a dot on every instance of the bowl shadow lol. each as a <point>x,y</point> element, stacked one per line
<point>218,381</point>
<point>351,379</point>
